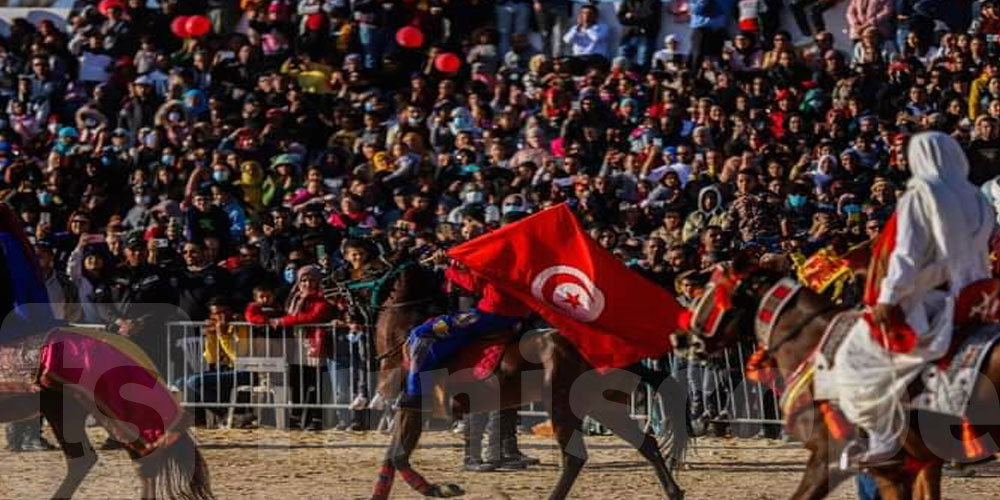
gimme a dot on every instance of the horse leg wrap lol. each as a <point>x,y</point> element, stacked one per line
<point>383,486</point>
<point>415,480</point>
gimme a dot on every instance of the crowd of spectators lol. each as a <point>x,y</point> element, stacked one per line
<point>298,140</point>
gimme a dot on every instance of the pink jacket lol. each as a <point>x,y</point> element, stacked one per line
<point>864,13</point>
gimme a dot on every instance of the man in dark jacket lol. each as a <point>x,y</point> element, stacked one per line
<point>640,20</point>
<point>198,282</point>
<point>146,298</point>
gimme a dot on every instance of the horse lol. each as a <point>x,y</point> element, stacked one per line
<point>65,374</point>
<point>797,331</point>
<point>174,470</point>
<point>541,367</point>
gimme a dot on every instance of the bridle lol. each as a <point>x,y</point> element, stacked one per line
<point>383,292</point>
<point>728,289</point>
<point>772,305</point>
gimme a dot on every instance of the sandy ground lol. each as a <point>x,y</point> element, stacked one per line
<point>275,465</point>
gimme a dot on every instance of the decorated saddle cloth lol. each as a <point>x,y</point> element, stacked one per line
<point>107,374</point>
<point>944,386</point>
<point>19,364</point>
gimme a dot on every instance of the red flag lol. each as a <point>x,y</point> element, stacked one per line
<point>612,315</point>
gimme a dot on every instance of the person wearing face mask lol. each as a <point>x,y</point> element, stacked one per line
<point>474,196</point>
<point>138,216</point>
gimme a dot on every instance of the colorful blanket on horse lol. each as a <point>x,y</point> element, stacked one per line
<point>107,373</point>
<point>19,364</point>
<point>943,387</point>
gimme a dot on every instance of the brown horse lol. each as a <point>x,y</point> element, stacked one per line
<point>541,367</point>
<point>796,333</point>
<point>175,471</point>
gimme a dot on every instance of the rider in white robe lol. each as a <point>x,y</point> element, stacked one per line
<point>941,245</point>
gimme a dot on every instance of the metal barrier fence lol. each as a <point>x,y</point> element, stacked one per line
<point>323,367</point>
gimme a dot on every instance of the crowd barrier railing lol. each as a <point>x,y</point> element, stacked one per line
<point>323,367</point>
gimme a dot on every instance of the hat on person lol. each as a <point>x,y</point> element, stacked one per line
<point>135,240</point>
<point>69,132</point>
<point>475,212</point>
<point>314,208</point>
<point>285,159</point>
<point>309,270</point>
<point>93,249</point>
<point>143,80</point>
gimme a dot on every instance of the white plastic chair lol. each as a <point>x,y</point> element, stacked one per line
<point>271,384</point>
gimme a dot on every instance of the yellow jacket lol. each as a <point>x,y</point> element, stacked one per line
<point>975,94</point>
<point>222,350</point>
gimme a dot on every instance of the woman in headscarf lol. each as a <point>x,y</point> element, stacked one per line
<point>933,248</point>
<point>306,305</point>
<point>823,172</point>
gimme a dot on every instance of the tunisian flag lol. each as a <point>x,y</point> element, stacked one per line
<point>612,315</point>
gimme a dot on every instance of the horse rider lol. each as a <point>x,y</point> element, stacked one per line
<point>432,343</point>
<point>935,246</point>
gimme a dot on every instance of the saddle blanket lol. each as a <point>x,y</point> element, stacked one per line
<point>483,357</point>
<point>19,361</point>
<point>944,386</point>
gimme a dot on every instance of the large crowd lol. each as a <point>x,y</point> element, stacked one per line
<point>234,172</point>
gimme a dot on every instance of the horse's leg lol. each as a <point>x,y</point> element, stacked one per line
<point>614,415</point>
<point>819,478</point>
<point>409,426</point>
<point>67,419</point>
<point>569,432</point>
<point>892,489</point>
<point>927,483</point>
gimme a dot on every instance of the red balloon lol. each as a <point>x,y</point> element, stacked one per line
<point>179,26</point>
<point>447,63</point>
<point>198,26</point>
<point>106,5</point>
<point>409,37</point>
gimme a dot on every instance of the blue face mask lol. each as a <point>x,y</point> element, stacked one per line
<point>167,159</point>
<point>851,209</point>
<point>796,200</point>
<point>45,198</point>
<point>220,176</point>
<point>290,275</point>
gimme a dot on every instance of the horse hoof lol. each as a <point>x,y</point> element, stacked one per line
<point>448,490</point>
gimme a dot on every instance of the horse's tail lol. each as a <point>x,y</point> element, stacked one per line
<point>178,472</point>
<point>668,407</point>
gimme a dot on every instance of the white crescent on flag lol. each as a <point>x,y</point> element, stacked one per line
<point>569,290</point>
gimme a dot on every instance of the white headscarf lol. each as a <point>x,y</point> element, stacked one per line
<point>991,190</point>
<point>940,180</point>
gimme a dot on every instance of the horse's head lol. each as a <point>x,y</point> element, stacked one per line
<point>725,312</point>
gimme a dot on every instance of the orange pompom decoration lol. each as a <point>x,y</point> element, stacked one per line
<point>836,424</point>
<point>761,368</point>
<point>971,445</point>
